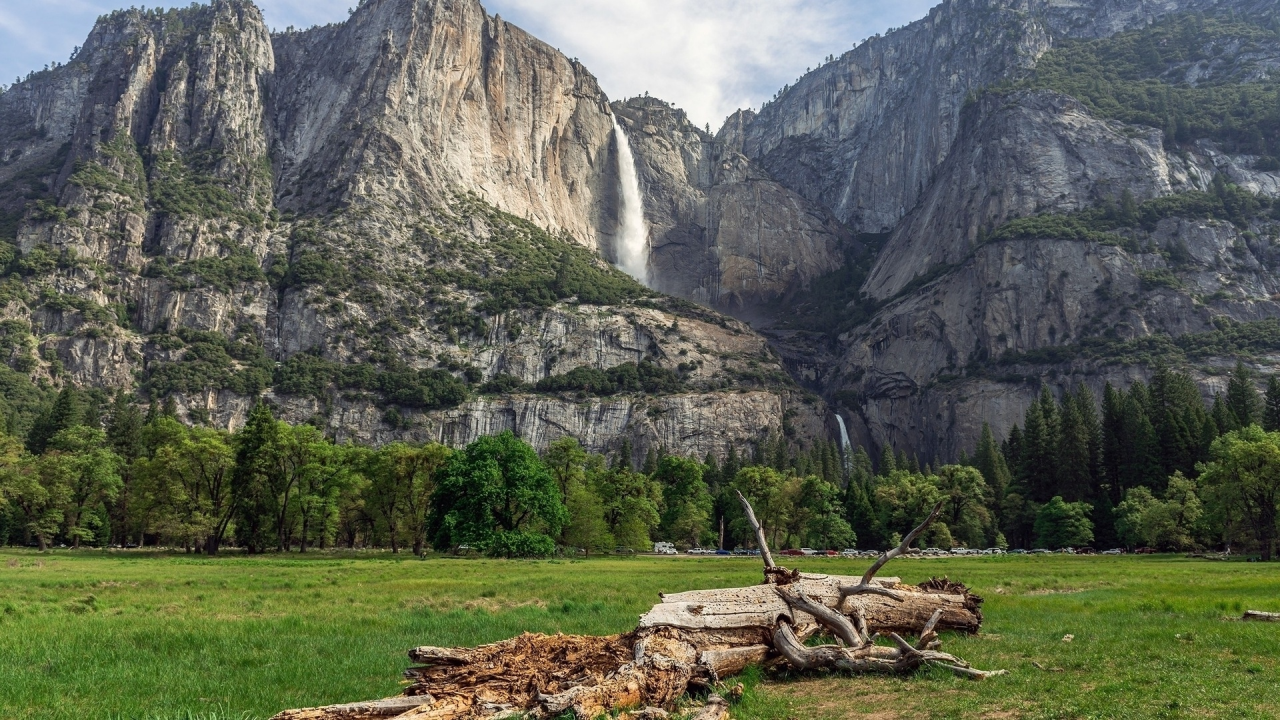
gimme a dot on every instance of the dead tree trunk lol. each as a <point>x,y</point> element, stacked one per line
<point>690,640</point>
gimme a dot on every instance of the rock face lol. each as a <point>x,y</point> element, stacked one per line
<point>723,232</point>
<point>1037,152</point>
<point>899,137</point>
<point>425,197</point>
<point>975,345</point>
<point>205,211</point>
<point>410,97</point>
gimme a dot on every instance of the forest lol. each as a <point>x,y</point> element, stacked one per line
<point>1150,465</point>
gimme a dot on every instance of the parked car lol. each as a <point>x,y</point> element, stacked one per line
<point>792,551</point>
<point>723,552</point>
<point>665,548</point>
<point>1113,551</point>
<point>1086,551</point>
<point>1017,551</point>
<point>808,551</point>
<point>1145,551</point>
<point>849,553</point>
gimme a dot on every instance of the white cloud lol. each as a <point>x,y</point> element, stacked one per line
<point>709,57</point>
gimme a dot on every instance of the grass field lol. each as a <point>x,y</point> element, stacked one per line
<point>94,635</point>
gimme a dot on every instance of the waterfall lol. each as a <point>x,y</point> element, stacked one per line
<point>845,448</point>
<point>632,241</point>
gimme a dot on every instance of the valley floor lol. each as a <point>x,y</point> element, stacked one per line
<point>160,637</point>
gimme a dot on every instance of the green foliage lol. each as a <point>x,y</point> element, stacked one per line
<point>220,273</point>
<point>1242,485</point>
<point>311,268</point>
<point>644,377</point>
<point>1137,77</point>
<point>502,384</point>
<point>1171,524</point>
<point>519,544</point>
<point>686,501</point>
<point>211,361</point>
<point>127,178</point>
<point>1101,224</point>
<point>1231,338</point>
<point>531,268</point>
<point>1061,524</point>
<point>428,389</point>
<point>495,486</point>
<point>185,188</point>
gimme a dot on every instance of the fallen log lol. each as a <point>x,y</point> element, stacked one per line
<point>686,644</point>
<point>1260,616</point>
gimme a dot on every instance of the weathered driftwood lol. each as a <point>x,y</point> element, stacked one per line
<point>1260,616</point>
<point>690,640</point>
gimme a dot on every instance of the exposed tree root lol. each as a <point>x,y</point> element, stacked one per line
<point>687,643</point>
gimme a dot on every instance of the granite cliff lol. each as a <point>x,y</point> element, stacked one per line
<point>400,226</point>
<point>384,226</point>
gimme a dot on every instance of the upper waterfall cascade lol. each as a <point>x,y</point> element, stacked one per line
<point>632,241</point>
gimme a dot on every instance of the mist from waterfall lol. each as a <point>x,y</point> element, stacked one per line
<point>845,446</point>
<point>632,239</point>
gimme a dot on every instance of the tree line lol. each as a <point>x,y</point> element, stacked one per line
<point>1150,465</point>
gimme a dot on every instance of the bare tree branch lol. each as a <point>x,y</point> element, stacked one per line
<point>755,525</point>
<point>865,586</point>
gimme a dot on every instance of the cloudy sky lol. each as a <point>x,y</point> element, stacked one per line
<point>710,57</point>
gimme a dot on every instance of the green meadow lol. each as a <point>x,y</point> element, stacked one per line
<point>151,636</point>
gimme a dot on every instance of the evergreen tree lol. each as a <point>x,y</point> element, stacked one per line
<point>650,462</point>
<point>729,470</point>
<point>124,436</point>
<point>1242,397</point>
<point>1038,470</point>
<point>250,481</point>
<point>623,460</point>
<point>1271,407</point>
<point>991,463</point>
<point>1139,445</point>
<point>1075,460</point>
<point>858,508</point>
<point>1178,414</point>
<point>888,463</point>
<point>66,412</point>
<point>1223,419</point>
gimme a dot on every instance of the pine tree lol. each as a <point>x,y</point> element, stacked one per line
<point>1038,470</point>
<point>1112,432</point>
<point>1140,462</point>
<point>991,463</point>
<point>124,427</point>
<point>1271,408</point>
<point>1075,476</point>
<point>1242,397</point>
<point>1223,420</point>
<point>1011,448</point>
<point>729,470</point>
<point>67,411</point>
<point>250,483</point>
<point>888,463</point>
<point>624,461</point>
<point>650,462</point>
